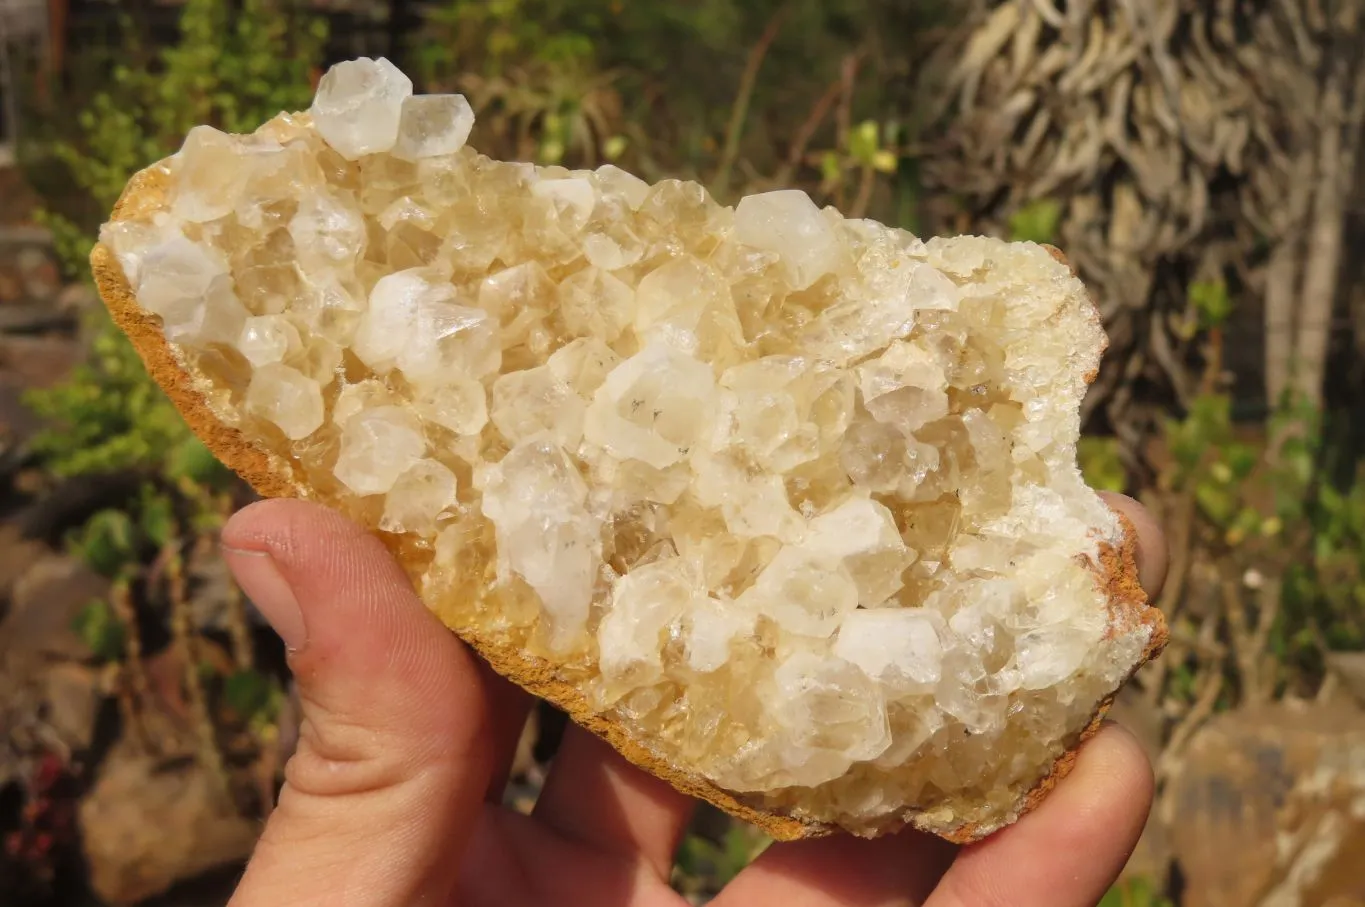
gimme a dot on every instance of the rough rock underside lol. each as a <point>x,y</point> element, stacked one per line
<point>785,504</point>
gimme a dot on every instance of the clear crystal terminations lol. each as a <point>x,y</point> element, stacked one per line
<point>786,500</point>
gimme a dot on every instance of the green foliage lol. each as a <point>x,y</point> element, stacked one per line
<point>1135,893</point>
<point>1273,505</point>
<point>233,66</point>
<point>101,631</point>
<point>1036,221</point>
<point>106,542</point>
<point>866,146</point>
<point>1297,430</point>
<point>112,539</point>
<point>1101,465</point>
<point>1211,301</point>
<point>1205,428</point>
<point>231,69</point>
<point>506,33</point>
<point>1182,681</point>
<point>1328,587</point>
<point>579,82</point>
<point>254,696</point>
<point>718,863</point>
<point>110,416</point>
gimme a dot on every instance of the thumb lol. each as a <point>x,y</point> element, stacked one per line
<point>392,760</point>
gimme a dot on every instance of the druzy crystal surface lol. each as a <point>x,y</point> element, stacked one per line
<point>790,498</point>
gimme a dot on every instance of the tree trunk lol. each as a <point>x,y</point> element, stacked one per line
<point>1319,295</point>
<point>1282,283</point>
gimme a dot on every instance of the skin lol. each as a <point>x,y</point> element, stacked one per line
<point>392,797</point>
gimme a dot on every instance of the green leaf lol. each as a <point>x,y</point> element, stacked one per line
<point>1241,460</point>
<point>100,631</point>
<point>831,171</point>
<point>1247,523</point>
<point>1216,502</point>
<point>863,144</point>
<point>107,542</point>
<point>1036,222</point>
<point>1101,464</point>
<point>157,518</point>
<point>1211,302</point>
<point>614,147</point>
<point>1207,425</point>
<point>1331,500</point>
<point>251,694</point>
<point>191,460</point>
<point>1182,683</point>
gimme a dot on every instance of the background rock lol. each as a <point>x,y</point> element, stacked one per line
<point>150,822</point>
<point>1269,809</point>
<point>1349,668</point>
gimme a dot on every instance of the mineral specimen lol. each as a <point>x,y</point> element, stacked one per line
<point>782,504</point>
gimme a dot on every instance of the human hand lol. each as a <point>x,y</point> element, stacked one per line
<point>392,798</point>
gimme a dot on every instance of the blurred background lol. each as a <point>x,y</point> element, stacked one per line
<point>1198,160</point>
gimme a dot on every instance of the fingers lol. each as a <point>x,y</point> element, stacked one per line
<point>510,706</point>
<point>393,756</point>
<point>895,871</point>
<point>1066,853</point>
<point>1069,851</point>
<point>595,796</point>
<point>1152,553</point>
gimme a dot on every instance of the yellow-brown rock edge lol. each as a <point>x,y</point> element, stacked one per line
<point>784,505</point>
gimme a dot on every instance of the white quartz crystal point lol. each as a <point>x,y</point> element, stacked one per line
<point>644,604</point>
<point>267,338</point>
<point>286,397</point>
<point>414,324</point>
<point>828,715</point>
<point>418,497</point>
<point>377,446</point>
<point>190,287</point>
<point>654,407</point>
<point>432,125</point>
<point>537,501</point>
<point>359,106</point>
<point>787,222</point>
<point>898,647</point>
<point>212,175</point>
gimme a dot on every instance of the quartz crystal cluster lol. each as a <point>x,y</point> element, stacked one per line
<point>789,499</point>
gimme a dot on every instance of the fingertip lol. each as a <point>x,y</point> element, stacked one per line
<point>371,642</point>
<point>281,525</point>
<point>1103,801</point>
<point>394,754</point>
<point>1117,768</point>
<point>1152,553</point>
<point>1069,850</point>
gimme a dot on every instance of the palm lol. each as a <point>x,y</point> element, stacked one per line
<point>523,861</point>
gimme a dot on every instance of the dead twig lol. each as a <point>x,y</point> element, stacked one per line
<point>131,678</point>
<point>182,632</point>
<point>739,113</point>
<point>867,181</point>
<point>818,112</point>
<point>843,116</point>
<point>1247,662</point>
<point>1209,686</point>
<point>1180,529</point>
